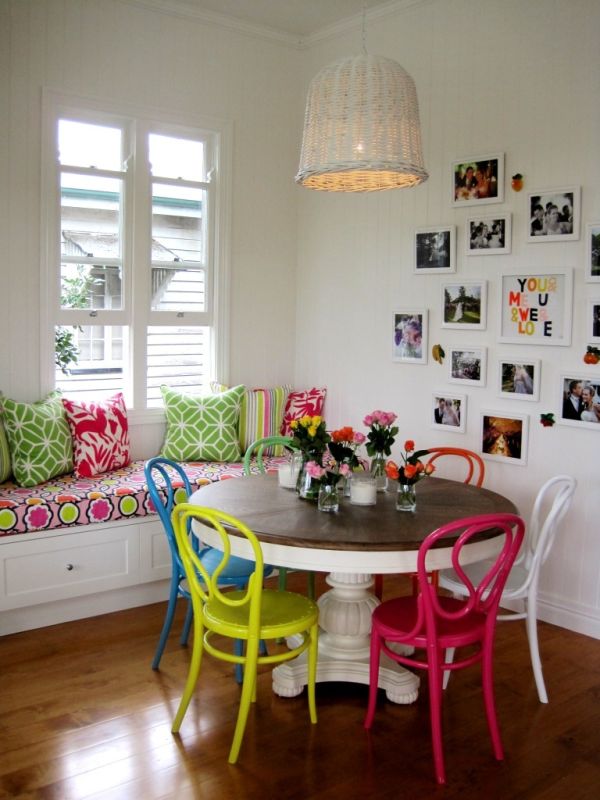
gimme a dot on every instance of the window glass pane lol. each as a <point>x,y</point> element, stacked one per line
<point>90,216</point>
<point>178,356</point>
<point>176,158</point>
<point>178,222</point>
<point>89,360</point>
<point>178,289</point>
<point>93,286</point>
<point>84,145</point>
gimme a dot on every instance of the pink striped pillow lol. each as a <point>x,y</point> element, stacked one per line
<point>300,404</point>
<point>100,433</point>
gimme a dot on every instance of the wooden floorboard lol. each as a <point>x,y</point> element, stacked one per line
<point>83,716</point>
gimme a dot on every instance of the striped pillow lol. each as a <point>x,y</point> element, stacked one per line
<point>5,468</point>
<point>261,415</point>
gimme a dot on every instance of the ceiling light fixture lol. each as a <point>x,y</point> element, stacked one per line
<point>361,127</point>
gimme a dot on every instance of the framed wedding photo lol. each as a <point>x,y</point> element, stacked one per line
<point>467,365</point>
<point>504,437</point>
<point>593,330</point>
<point>554,214</point>
<point>592,252</point>
<point>449,411</point>
<point>488,236</point>
<point>519,379</point>
<point>464,305</point>
<point>579,401</point>
<point>536,307</point>
<point>478,180</point>
<point>435,250</point>
<point>410,336</point>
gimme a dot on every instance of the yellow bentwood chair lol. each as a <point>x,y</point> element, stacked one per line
<point>251,614</point>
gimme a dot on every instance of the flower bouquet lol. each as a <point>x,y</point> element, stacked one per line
<point>408,474</point>
<point>310,436</point>
<point>380,439</point>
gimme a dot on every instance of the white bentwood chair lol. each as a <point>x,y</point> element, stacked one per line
<point>522,583</point>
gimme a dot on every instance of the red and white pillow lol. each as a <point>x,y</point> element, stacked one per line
<point>301,404</point>
<point>100,433</point>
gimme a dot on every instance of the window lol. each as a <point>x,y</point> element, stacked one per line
<point>132,262</point>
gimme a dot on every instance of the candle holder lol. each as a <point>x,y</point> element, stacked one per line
<point>363,490</point>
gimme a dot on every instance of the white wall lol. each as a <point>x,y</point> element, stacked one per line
<point>492,76</point>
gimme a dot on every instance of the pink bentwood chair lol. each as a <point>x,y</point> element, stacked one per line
<point>434,623</point>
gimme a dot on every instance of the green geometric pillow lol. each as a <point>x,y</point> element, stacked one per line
<point>5,468</point>
<point>202,428</point>
<point>39,439</point>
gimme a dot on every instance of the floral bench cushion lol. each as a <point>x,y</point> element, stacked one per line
<point>121,494</point>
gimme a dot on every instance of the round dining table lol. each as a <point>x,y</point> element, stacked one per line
<point>351,545</point>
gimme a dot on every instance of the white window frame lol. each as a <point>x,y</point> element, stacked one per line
<point>136,123</point>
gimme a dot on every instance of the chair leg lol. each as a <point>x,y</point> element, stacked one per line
<point>193,673</point>
<point>248,692</point>
<point>189,616</point>
<point>166,628</point>
<point>487,674</point>
<point>448,659</point>
<point>378,587</point>
<point>310,579</point>
<point>534,650</point>
<point>312,672</point>
<point>373,677</point>
<point>435,715</point>
<point>282,583</point>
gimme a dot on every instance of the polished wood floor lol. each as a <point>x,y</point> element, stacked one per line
<point>82,715</point>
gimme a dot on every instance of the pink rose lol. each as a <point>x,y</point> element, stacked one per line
<point>359,438</point>
<point>314,470</point>
<point>344,469</point>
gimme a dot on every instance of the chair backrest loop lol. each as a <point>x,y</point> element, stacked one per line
<point>473,462</point>
<point>259,447</point>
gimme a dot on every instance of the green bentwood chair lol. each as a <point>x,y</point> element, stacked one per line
<point>251,614</point>
<point>258,447</point>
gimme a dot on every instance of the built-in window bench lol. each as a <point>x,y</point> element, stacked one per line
<point>77,547</point>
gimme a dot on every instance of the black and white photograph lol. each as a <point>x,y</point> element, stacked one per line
<point>449,411</point>
<point>464,305</point>
<point>594,319</point>
<point>518,379</point>
<point>592,252</point>
<point>467,365</point>
<point>478,180</point>
<point>554,214</point>
<point>435,250</point>
<point>580,401</point>
<point>488,236</point>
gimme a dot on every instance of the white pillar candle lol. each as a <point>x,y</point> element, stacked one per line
<point>287,476</point>
<point>363,491</point>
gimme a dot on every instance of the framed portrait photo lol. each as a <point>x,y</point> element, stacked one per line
<point>519,379</point>
<point>478,180</point>
<point>593,319</point>
<point>467,365</point>
<point>435,250</point>
<point>536,307</point>
<point>504,437</point>
<point>579,400</point>
<point>554,214</point>
<point>410,336</point>
<point>449,411</point>
<point>592,252</point>
<point>464,305</point>
<point>488,236</point>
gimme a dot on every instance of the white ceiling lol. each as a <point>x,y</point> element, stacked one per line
<point>298,19</point>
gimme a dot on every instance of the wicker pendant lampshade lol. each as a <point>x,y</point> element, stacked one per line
<point>361,128</point>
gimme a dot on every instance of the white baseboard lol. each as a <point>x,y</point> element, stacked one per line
<point>559,611</point>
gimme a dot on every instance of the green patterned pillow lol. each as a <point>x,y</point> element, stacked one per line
<point>39,439</point>
<point>202,428</point>
<point>5,468</point>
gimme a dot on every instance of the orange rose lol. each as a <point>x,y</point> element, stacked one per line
<point>410,471</point>
<point>429,468</point>
<point>391,470</point>
<point>409,445</point>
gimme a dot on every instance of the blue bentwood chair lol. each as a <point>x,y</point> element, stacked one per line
<point>168,485</point>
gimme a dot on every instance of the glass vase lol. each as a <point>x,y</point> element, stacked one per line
<point>329,500</point>
<point>378,471</point>
<point>307,486</point>
<point>406,497</point>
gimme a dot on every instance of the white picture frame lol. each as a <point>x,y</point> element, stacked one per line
<point>488,235</point>
<point>554,214</point>
<point>435,250</point>
<point>464,305</point>
<point>567,413</point>
<point>448,411</point>
<point>518,378</point>
<point>592,252</point>
<point>409,335</point>
<point>593,320</point>
<point>536,307</point>
<point>477,180</point>
<point>467,365</point>
<point>504,437</point>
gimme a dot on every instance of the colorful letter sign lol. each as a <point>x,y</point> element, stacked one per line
<point>536,308</point>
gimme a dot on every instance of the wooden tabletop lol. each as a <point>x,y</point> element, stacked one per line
<point>279,516</point>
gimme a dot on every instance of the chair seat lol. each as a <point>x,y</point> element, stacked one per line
<point>514,585</point>
<point>236,568</point>
<point>400,614</point>
<point>282,613</point>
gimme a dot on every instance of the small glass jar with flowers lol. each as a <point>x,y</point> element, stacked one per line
<point>408,474</point>
<point>342,449</point>
<point>328,477</point>
<point>380,438</point>
<point>310,436</point>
